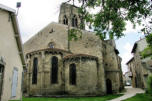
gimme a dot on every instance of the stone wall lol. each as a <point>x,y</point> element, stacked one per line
<point>139,66</point>
<point>58,36</point>
<point>44,86</point>
<point>112,66</point>
<point>69,11</point>
<point>89,44</point>
<point>87,78</point>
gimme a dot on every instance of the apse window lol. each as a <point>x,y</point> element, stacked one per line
<point>51,45</point>
<point>72,74</point>
<point>54,69</point>
<point>34,75</point>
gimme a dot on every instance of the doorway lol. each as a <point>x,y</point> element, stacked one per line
<point>1,79</point>
<point>109,86</point>
<point>136,83</point>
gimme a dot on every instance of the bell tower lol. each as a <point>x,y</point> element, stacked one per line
<point>69,16</point>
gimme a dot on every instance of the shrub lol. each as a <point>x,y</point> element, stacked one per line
<point>149,89</point>
<point>149,39</point>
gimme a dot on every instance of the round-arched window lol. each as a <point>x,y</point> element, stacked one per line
<point>65,20</point>
<point>51,45</point>
<point>72,74</point>
<point>74,21</point>
<point>54,70</point>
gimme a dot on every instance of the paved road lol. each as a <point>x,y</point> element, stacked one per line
<point>129,93</point>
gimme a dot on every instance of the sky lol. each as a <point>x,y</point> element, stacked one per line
<point>33,15</point>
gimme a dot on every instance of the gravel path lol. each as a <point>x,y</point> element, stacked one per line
<point>129,93</point>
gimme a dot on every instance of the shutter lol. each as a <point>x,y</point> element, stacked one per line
<point>14,82</point>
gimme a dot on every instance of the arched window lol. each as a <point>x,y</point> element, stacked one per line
<point>65,20</point>
<point>72,74</point>
<point>74,21</point>
<point>54,74</point>
<point>51,45</point>
<point>34,75</point>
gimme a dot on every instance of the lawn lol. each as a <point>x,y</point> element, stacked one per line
<point>103,98</point>
<point>140,97</point>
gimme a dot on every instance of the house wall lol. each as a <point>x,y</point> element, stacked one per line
<point>141,70</point>
<point>10,54</point>
<point>139,66</point>
<point>133,70</point>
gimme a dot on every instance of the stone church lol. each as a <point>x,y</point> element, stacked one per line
<point>57,66</point>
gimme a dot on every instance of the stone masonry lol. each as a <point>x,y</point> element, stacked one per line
<point>57,66</point>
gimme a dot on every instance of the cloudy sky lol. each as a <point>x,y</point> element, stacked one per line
<point>36,14</point>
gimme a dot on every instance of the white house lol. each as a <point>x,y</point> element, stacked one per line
<point>11,56</point>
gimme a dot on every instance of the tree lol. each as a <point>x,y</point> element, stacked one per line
<point>112,16</point>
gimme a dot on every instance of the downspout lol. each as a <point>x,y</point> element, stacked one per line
<point>18,38</point>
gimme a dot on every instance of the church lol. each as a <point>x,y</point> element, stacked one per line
<point>56,65</point>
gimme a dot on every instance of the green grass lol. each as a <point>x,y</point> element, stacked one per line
<point>140,97</point>
<point>102,98</point>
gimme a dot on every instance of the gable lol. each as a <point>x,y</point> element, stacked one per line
<point>52,33</point>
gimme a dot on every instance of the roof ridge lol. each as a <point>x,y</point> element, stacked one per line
<point>7,8</point>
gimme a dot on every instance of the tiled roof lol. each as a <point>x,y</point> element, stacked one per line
<point>50,49</point>
<point>79,55</point>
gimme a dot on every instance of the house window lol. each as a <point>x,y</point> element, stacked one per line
<point>54,74</point>
<point>35,66</point>
<point>72,74</point>
<point>1,68</point>
<point>1,77</point>
<point>74,21</point>
<point>65,20</point>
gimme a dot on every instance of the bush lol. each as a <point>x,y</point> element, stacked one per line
<point>149,88</point>
<point>149,39</point>
<point>146,52</point>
